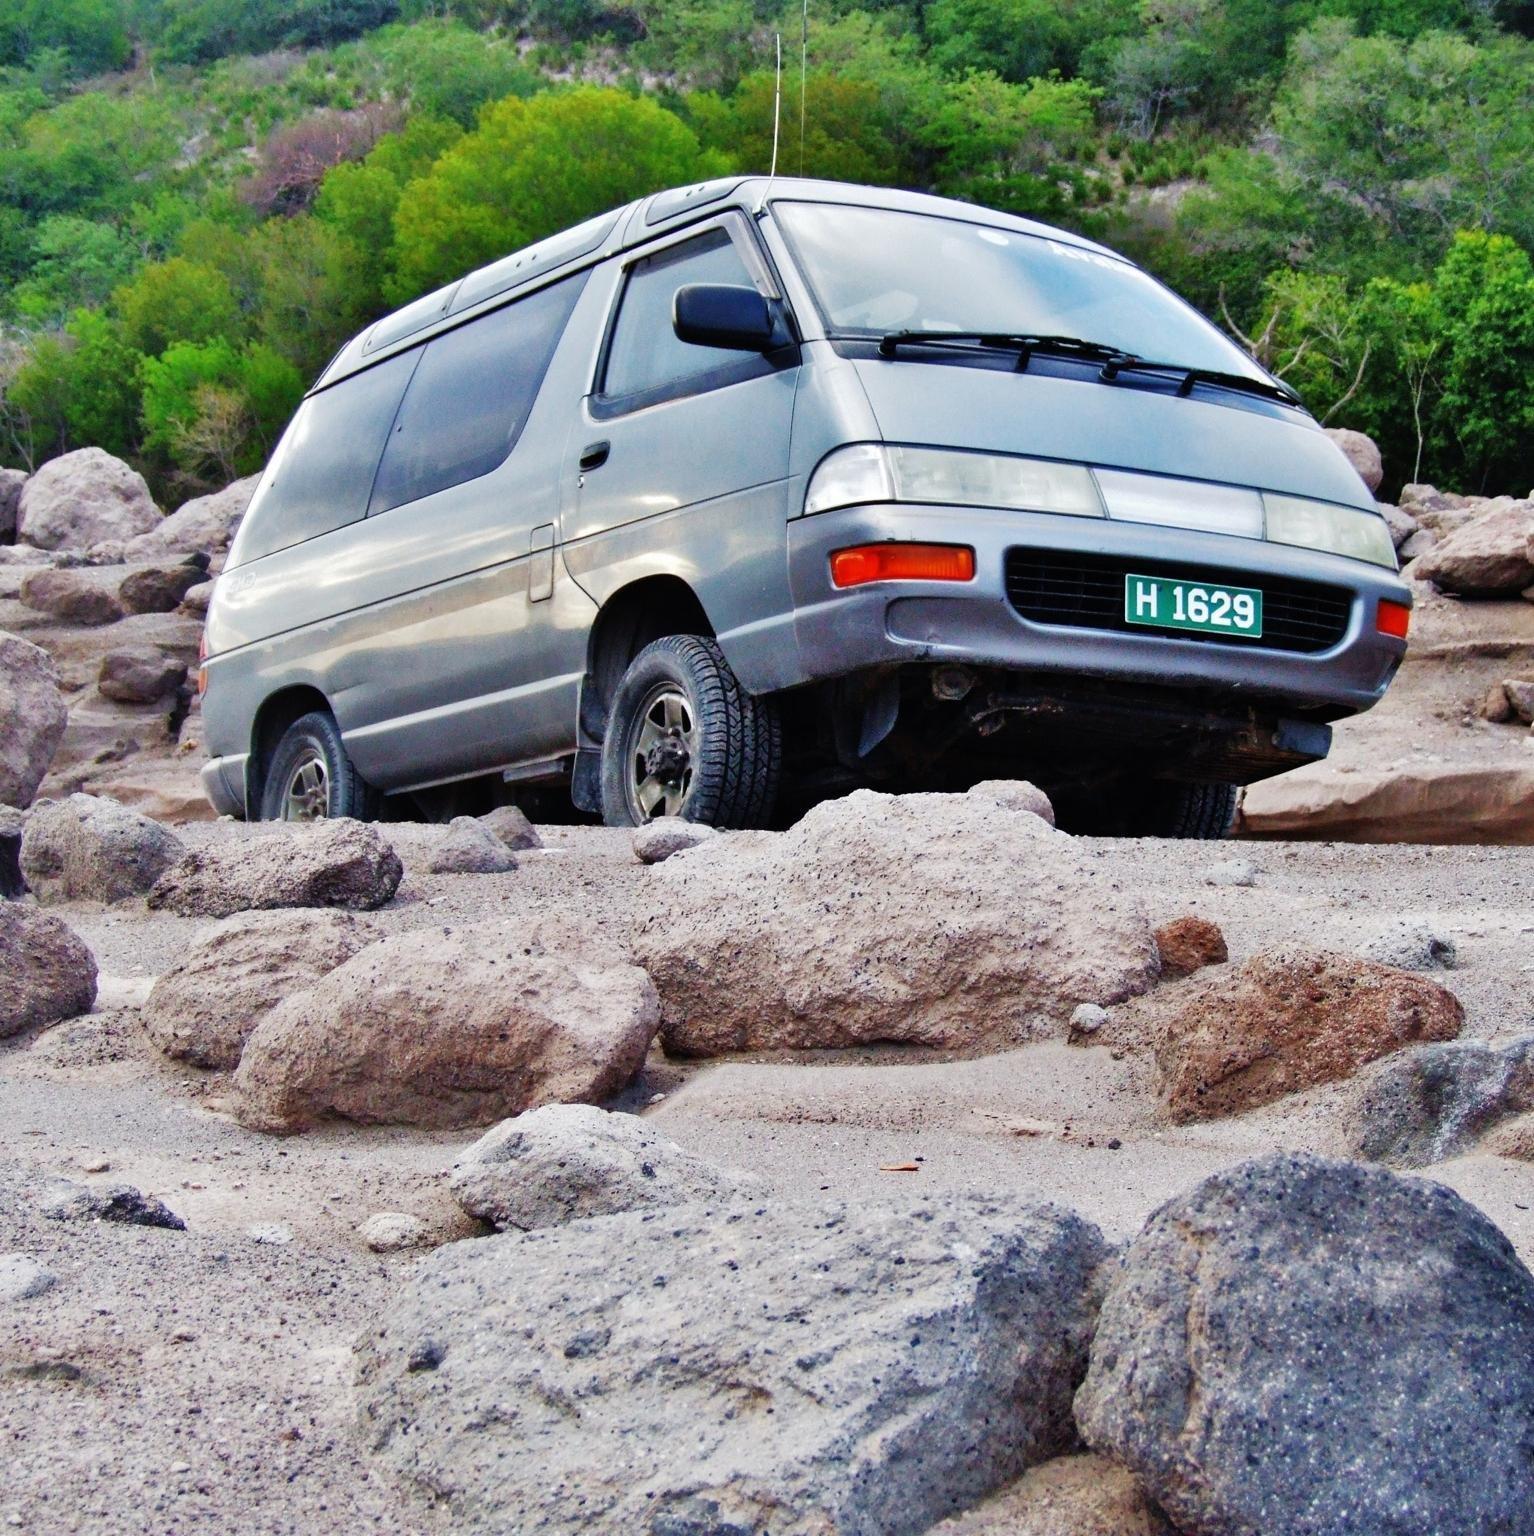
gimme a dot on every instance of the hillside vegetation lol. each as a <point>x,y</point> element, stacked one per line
<point>201,199</point>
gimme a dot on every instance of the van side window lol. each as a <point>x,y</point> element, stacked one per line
<point>646,360</point>
<point>471,396</point>
<point>323,469</point>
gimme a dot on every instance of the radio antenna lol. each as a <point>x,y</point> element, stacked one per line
<point>777,117</point>
<point>804,74</point>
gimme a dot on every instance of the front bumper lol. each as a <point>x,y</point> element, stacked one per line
<point>892,623</point>
<point>223,782</point>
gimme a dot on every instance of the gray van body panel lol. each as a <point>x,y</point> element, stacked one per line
<point>450,635</point>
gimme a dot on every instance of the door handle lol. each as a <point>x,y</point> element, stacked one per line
<point>594,455</point>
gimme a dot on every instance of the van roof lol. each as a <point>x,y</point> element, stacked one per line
<point>620,228</point>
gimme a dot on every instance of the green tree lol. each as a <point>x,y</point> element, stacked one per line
<point>74,262</point>
<point>175,301</point>
<point>80,388</point>
<point>1020,39</point>
<point>90,33</point>
<point>532,168</point>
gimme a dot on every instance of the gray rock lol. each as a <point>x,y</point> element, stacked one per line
<point>511,825</point>
<point>393,1231</point>
<point>1488,557</point>
<point>1411,944</point>
<point>1362,453</point>
<point>657,840</point>
<point>1300,1347</point>
<point>160,588</point>
<point>208,1004</point>
<point>1088,1019</point>
<point>32,718</point>
<point>139,674</point>
<point>196,598</point>
<point>271,1234</point>
<point>1417,545</point>
<point>1401,523</point>
<point>1017,795</point>
<point>465,846</point>
<point>565,1162</point>
<point>1230,872</point>
<point>68,1201</point>
<point>84,597</point>
<point>1520,698</point>
<point>1436,1101</point>
<point>22,1278</point>
<point>88,848</point>
<point>49,974</point>
<point>206,525</point>
<point>83,498</point>
<point>11,482</point>
<point>695,1372</point>
<point>338,863</point>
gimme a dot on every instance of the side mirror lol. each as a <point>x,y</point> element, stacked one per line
<point>727,315</point>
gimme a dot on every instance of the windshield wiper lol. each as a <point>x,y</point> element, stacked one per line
<point>1192,376</point>
<point>1024,345</point>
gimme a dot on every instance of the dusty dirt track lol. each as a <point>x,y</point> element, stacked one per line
<point>198,1380</point>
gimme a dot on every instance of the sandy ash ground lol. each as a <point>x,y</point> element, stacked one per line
<point>176,1380</point>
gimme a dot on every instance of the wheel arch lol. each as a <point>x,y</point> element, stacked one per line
<point>275,715</point>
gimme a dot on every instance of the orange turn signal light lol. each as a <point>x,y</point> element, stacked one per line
<point>864,563</point>
<point>1394,619</point>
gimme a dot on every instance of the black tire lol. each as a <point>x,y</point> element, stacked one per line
<point>312,746</point>
<point>716,750</point>
<point>1206,811</point>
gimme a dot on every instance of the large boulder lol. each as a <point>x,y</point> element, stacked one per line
<point>204,1008</point>
<point>792,1369</point>
<point>1437,1101</point>
<point>32,718</point>
<point>938,920</point>
<point>1070,1496</point>
<point>1234,1037</point>
<point>337,863</point>
<point>1301,1347</point>
<point>49,973</point>
<point>1488,557</point>
<point>74,595</point>
<point>139,674</point>
<point>1362,453</point>
<point>84,498</point>
<point>159,588</point>
<point>444,1027</point>
<point>11,482</point>
<point>565,1162</point>
<point>86,848</point>
<point>205,525</point>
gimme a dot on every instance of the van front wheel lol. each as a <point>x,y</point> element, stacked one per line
<point>685,739</point>
<point>310,777</point>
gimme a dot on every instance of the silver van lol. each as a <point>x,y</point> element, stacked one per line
<point>759,490</point>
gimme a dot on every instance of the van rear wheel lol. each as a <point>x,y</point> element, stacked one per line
<point>310,777</point>
<point>1206,811</point>
<point>685,739</point>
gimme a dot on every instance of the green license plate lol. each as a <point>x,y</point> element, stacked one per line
<point>1163,602</point>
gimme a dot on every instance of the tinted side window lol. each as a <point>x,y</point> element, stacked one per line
<point>471,396</point>
<point>645,356</point>
<point>323,470</point>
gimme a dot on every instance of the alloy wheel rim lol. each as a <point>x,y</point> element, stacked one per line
<point>662,754</point>
<point>307,797</point>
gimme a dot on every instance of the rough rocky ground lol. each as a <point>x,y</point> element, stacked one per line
<point>183,1380</point>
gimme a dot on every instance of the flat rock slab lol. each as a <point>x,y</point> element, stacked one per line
<point>789,1370</point>
<point>1300,1347</point>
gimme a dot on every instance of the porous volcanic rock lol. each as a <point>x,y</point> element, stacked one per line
<point>446,1027</point>
<point>139,674</point>
<point>88,848</point>
<point>939,920</point>
<point>11,482</point>
<point>1362,453</point>
<point>1403,526</point>
<point>791,1368</point>
<point>334,863</point>
<point>1488,557</point>
<point>159,588</point>
<point>510,824</point>
<point>1413,944</point>
<point>74,595</point>
<point>565,1162</point>
<point>1016,795</point>
<point>204,525</point>
<point>32,718</point>
<point>49,973</point>
<point>1437,1101</point>
<point>462,846</point>
<point>1188,944</point>
<point>657,840</point>
<point>68,1201</point>
<point>1070,1496</point>
<point>206,1006</point>
<point>1301,1347</point>
<point>84,498</point>
<point>1234,1037</point>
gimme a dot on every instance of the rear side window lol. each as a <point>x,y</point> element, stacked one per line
<point>646,360</point>
<point>323,469</point>
<point>471,396</point>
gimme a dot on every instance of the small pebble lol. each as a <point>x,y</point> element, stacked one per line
<point>274,1233</point>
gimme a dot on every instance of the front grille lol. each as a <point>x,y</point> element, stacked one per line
<point>1087,592</point>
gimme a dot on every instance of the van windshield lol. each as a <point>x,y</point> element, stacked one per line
<point>874,271</point>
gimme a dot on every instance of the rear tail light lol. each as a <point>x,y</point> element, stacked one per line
<point>1393,619</point>
<point>865,563</point>
<point>202,671</point>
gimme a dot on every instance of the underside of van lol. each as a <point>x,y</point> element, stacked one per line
<point>757,492</point>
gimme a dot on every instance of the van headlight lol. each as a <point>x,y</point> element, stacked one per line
<point>875,472</point>
<point>868,472</point>
<point>1337,530</point>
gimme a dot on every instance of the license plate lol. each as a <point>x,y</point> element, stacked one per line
<point>1163,602</point>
